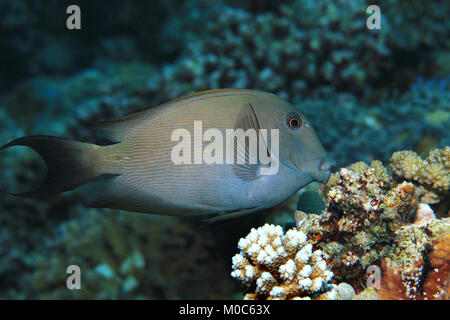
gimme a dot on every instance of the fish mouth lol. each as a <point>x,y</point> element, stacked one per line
<point>321,176</point>
<point>326,164</point>
<point>324,170</point>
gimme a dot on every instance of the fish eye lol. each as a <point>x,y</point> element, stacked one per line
<point>294,121</point>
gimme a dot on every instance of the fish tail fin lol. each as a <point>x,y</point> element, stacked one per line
<point>69,163</point>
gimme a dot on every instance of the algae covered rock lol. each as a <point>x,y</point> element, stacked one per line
<point>419,266</point>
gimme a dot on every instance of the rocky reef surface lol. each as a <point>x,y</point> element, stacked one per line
<point>376,219</point>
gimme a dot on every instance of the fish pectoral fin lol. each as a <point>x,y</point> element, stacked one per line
<point>230,215</point>
<point>246,165</point>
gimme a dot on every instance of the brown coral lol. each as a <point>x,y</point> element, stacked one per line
<point>407,164</point>
<point>437,285</point>
<point>360,221</point>
<point>441,156</point>
<point>419,267</point>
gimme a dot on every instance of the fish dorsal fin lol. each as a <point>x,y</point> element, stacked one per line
<point>246,165</point>
<point>200,93</point>
<point>116,129</point>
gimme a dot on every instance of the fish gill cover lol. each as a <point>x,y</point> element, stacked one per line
<point>370,94</point>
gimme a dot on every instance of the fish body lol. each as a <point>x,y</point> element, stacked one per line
<point>142,173</point>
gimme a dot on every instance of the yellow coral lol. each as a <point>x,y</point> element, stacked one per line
<point>433,173</point>
<point>381,173</point>
<point>406,164</point>
<point>431,177</point>
<point>332,181</point>
<point>281,266</point>
<point>427,196</point>
<point>358,167</point>
<point>435,176</point>
<point>441,156</point>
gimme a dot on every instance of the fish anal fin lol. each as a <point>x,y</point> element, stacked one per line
<point>107,192</point>
<point>231,215</point>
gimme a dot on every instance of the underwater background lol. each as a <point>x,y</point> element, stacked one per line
<point>368,93</point>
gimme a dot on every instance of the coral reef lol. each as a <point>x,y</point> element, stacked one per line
<point>371,219</point>
<point>276,265</point>
<point>419,265</point>
<point>430,177</point>
<point>431,174</point>
<point>360,220</point>
<point>123,257</point>
<point>368,221</point>
<point>301,46</point>
<point>367,206</point>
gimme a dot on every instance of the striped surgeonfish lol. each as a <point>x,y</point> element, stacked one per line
<point>151,167</point>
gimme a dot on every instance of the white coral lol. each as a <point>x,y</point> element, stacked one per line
<point>288,270</point>
<point>278,292</point>
<point>280,266</point>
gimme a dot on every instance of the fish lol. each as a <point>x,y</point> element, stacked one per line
<point>137,172</point>
<point>310,202</point>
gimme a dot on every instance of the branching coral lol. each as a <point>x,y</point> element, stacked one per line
<point>274,265</point>
<point>414,257</point>
<point>432,173</point>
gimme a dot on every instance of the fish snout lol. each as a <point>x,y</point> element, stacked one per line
<point>325,165</point>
